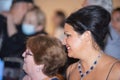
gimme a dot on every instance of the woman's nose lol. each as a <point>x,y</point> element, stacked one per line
<point>23,55</point>
<point>64,41</point>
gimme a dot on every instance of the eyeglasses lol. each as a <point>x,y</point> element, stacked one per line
<point>28,53</point>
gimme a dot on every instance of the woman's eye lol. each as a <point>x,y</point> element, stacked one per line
<point>67,35</point>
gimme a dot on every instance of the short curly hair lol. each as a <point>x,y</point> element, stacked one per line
<point>48,51</point>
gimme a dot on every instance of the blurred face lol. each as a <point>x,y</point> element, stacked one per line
<point>19,10</point>
<point>84,3</point>
<point>73,41</point>
<point>31,18</point>
<point>116,21</point>
<point>57,20</point>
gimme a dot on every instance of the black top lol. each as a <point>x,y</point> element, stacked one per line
<point>11,46</point>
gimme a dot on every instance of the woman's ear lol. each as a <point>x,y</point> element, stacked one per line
<point>40,67</point>
<point>87,36</point>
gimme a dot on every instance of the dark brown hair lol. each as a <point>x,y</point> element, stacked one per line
<point>91,18</point>
<point>116,10</point>
<point>48,51</point>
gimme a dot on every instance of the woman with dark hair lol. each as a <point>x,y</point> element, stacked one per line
<point>43,58</point>
<point>85,31</point>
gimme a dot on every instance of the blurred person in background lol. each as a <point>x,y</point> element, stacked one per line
<point>43,57</point>
<point>11,46</point>
<point>2,23</point>
<point>13,20</point>
<point>113,43</point>
<point>15,15</point>
<point>58,23</point>
<point>107,4</point>
<point>34,22</point>
<point>1,34</point>
<point>5,5</point>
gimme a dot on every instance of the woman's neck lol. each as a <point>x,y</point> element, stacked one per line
<point>89,59</point>
<point>39,76</point>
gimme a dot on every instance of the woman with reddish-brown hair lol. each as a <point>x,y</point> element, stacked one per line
<point>43,57</point>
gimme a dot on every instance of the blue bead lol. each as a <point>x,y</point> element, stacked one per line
<point>92,68</point>
<point>95,62</point>
<point>87,72</point>
<point>80,71</point>
<point>82,75</point>
<point>79,66</point>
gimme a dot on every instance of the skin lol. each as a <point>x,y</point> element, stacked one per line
<point>57,20</point>
<point>18,11</point>
<point>116,21</point>
<point>31,18</point>
<point>72,36</point>
<point>34,71</point>
<point>28,62</point>
<point>15,16</point>
<point>83,47</point>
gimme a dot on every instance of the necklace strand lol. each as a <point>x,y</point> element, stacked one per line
<point>91,68</point>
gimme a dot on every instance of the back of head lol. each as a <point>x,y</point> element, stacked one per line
<point>93,18</point>
<point>107,4</point>
<point>60,13</point>
<point>59,17</point>
<point>48,51</point>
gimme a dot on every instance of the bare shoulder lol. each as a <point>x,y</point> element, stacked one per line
<point>71,68</point>
<point>115,72</point>
<point>117,66</point>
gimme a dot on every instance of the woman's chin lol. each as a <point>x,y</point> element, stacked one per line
<point>24,68</point>
<point>70,55</point>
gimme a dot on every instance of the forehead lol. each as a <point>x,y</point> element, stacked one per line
<point>68,28</point>
<point>20,4</point>
<point>116,14</point>
<point>31,15</point>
